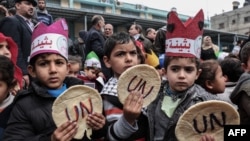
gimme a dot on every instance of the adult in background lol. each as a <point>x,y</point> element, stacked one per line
<point>135,30</point>
<point>160,39</point>
<point>151,34</point>
<point>19,27</point>
<point>42,14</point>
<point>78,47</point>
<point>145,45</point>
<point>236,48</point>
<point>3,11</point>
<point>12,11</point>
<point>108,30</point>
<point>208,49</point>
<point>95,42</point>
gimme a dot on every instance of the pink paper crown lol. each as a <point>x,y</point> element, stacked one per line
<point>50,39</point>
<point>184,39</point>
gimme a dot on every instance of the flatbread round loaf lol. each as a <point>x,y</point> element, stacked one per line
<point>206,118</point>
<point>75,104</point>
<point>143,78</point>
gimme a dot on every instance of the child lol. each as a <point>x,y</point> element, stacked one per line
<point>232,70</point>
<point>75,65</point>
<point>31,117</point>
<point>211,77</point>
<point>244,56</point>
<point>92,70</point>
<point>6,84</point>
<point>181,65</point>
<point>126,122</point>
<point>241,93</point>
<point>9,49</point>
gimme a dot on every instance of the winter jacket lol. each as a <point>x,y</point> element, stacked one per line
<point>31,117</point>
<point>163,125</point>
<point>118,128</point>
<point>241,97</point>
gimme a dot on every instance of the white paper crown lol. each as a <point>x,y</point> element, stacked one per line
<point>92,60</point>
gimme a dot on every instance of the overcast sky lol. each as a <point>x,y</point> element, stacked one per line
<point>190,7</point>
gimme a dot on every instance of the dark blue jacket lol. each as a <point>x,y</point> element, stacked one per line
<point>31,117</point>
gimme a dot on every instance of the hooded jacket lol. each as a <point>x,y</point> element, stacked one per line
<point>241,97</point>
<point>31,116</point>
<point>13,50</point>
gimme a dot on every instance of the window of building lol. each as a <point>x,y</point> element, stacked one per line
<point>55,2</point>
<point>130,13</point>
<point>233,21</point>
<point>154,17</point>
<point>221,26</point>
<point>105,1</point>
<point>92,7</point>
<point>247,19</point>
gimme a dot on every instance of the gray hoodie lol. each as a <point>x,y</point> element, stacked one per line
<point>241,97</point>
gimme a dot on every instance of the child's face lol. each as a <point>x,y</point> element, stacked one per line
<point>90,73</point>
<point>50,70</point>
<point>219,83</point>
<point>122,57</point>
<point>3,91</point>
<point>4,49</point>
<point>74,69</point>
<point>181,74</point>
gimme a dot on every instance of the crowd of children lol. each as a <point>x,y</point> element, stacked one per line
<point>27,114</point>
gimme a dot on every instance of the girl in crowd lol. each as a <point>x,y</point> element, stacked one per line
<point>211,77</point>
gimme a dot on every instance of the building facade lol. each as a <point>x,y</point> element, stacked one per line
<point>121,15</point>
<point>235,21</point>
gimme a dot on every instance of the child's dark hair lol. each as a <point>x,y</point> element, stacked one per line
<point>208,71</point>
<point>97,70</point>
<point>231,55</point>
<point>7,71</point>
<point>168,59</point>
<point>33,60</point>
<point>75,59</point>
<point>160,40</point>
<point>117,38</point>
<point>231,67</point>
<point>245,51</point>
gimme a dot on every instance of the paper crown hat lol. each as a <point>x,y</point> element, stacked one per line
<point>50,39</point>
<point>152,59</point>
<point>92,60</point>
<point>184,39</point>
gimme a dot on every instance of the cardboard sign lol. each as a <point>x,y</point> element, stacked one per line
<point>143,78</point>
<point>74,105</point>
<point>207,117</point>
